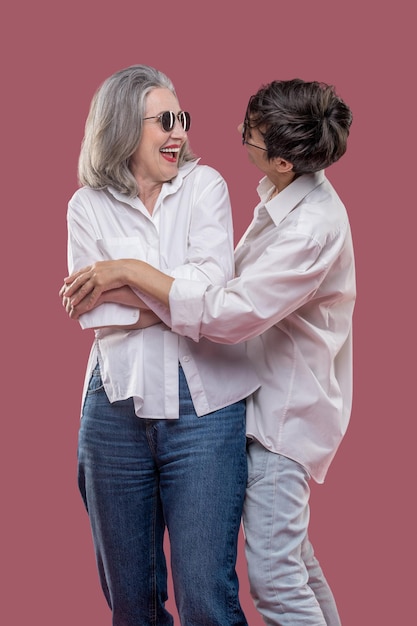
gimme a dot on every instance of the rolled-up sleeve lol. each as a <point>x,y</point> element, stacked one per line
<point>267,290</point>
<point>186,301</point>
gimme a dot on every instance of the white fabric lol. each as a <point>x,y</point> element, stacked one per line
<point>293,299</point>
<point>189,235</point>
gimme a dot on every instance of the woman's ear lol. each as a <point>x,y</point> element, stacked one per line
<point>282,166</point>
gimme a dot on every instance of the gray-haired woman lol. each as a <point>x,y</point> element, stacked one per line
<point>162,435</point>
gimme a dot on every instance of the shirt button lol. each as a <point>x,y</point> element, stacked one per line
<point>186,359</point>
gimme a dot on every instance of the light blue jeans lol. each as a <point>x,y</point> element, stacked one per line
<point>138,477</point>
<point>286,580</point>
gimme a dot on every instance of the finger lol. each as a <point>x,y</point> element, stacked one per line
<point>70,279</point>
<point>77,294</point>
<point>92,298</point>
<point>77,284</point>
<point>73,313</point>
<point>66,304</point>
<point>74,275</point>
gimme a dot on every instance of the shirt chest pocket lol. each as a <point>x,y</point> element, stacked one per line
<point>130,248</point>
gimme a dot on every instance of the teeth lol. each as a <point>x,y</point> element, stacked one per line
<point>169,150</point>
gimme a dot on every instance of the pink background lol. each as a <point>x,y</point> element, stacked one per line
<point>54,56</point>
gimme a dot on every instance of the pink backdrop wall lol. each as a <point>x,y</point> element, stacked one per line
<point>54,56</point>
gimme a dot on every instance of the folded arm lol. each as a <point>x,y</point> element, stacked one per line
<point>78,305</point>
<point>105,280</point>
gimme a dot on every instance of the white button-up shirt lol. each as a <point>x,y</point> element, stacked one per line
<point>189,235</point>
<point>293,299</point>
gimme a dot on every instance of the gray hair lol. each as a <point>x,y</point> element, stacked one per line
<point>114,127</point>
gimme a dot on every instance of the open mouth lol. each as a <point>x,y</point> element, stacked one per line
<point>170,153</point>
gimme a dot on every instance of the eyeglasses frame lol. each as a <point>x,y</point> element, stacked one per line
<point>245,126</point>
<point>182,115</point>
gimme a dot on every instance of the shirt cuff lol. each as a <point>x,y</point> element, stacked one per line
<point>186,302</point>
<point>109,314</point>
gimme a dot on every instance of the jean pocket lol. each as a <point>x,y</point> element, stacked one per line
<point>96,383</point>
<point>257,462</point>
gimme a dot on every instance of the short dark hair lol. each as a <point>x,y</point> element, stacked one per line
<point>305,123</point>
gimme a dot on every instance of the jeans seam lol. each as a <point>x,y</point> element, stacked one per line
<point>154,583</point>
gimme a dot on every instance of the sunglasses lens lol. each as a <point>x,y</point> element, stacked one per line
<point>167,120</point>
<point>185,120</point>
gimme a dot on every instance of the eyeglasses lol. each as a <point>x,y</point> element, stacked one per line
<point>245,126</point>
<point>167,120</point>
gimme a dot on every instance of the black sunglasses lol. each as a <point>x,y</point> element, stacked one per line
<point>167,120</point>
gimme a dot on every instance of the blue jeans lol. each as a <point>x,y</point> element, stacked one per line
<point>138,477</point>
<point>286,580</point>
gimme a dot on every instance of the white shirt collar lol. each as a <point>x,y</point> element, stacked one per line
<point>283,203</point>
<point>167,188</point>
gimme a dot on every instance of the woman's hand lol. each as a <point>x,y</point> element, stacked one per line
<point>70,293</point>
<point>82,307</point>
<point>88,284</point>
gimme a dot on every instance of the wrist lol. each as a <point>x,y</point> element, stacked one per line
<point>130,269</point>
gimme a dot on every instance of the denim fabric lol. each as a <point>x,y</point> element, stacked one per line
<point>286,580</point>
<point>139,476</point>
